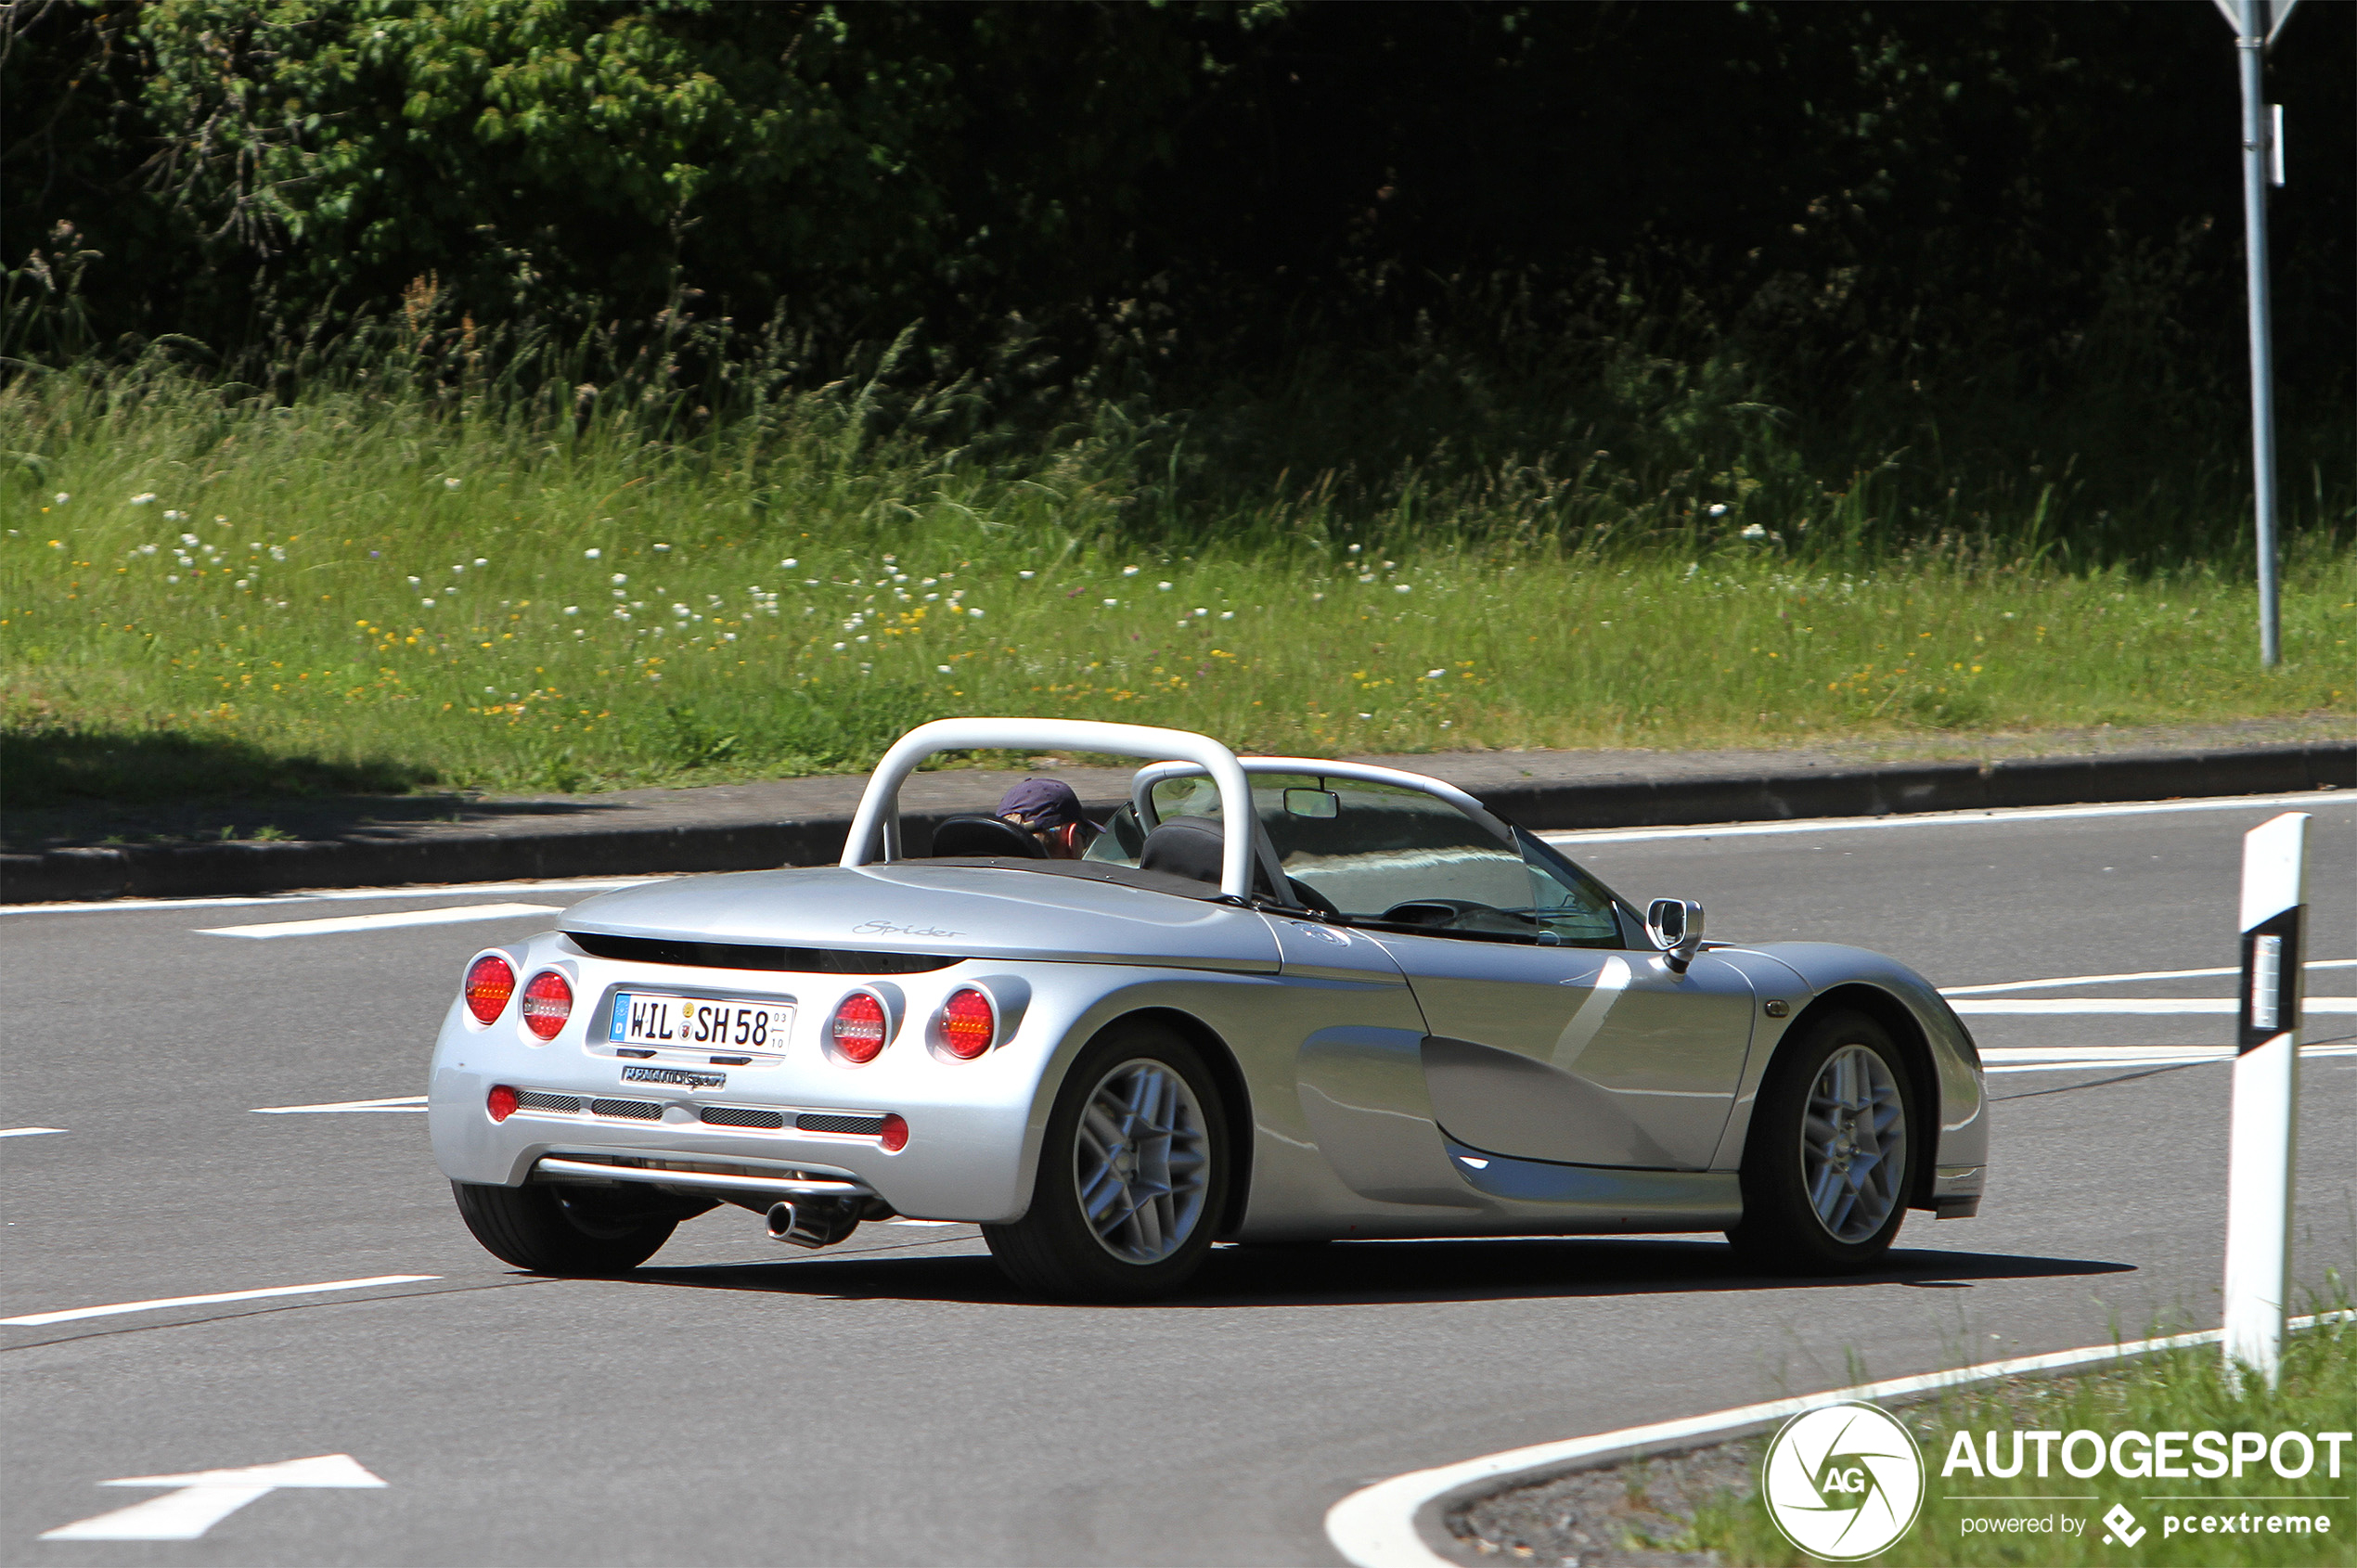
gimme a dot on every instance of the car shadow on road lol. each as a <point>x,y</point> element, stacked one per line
<point>1365,1273</point>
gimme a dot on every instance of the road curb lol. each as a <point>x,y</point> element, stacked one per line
<point>1772,794</point>
<point>1402,1523</point>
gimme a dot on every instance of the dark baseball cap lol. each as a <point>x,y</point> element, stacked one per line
<point>1039,805</point>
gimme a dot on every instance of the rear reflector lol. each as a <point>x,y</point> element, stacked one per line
<point>548,1002</point>
<point>500,1102</point>
<point>969,1023</point>
<point>490,981</point>
<point>896,1134</point>
<point>857,1028</point>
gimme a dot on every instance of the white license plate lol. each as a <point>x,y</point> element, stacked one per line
<point>699,1022</point>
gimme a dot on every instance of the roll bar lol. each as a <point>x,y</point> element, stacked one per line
<point>875,828</point>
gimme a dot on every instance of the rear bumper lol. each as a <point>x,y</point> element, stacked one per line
<point>581,1120</point>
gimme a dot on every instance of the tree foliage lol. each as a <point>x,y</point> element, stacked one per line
<point>1488,219</point>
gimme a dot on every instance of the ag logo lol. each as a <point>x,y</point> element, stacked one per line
<point>1843,1482</point>
<point>2125,1530</point>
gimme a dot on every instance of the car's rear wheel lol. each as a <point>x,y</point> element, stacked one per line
<point>1832,1152</point>
<point>552,1230</point>
<point>1133,1174</point>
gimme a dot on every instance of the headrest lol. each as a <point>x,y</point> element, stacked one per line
<point>1184,846</point>
<point>987,835</point>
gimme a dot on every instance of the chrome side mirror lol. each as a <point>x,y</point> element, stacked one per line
<point>1675,925</point>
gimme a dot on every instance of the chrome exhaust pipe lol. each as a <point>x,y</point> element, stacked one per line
<point>813,1222</point>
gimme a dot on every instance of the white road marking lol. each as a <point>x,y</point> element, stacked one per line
<point>1934,820</point>
<point>2067,1059</point>
<point>326,896</point>
<point>2089,1006</point>
<point>2125,979</point>
<point>205,1497</point>
<point>28,1132</point>
<point>72,1315</point>
<point>335,923</point>
<point>398,1102</point>
<point>1375,1528</point>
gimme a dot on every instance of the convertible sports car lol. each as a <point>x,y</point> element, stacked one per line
<point>1279,1000</point>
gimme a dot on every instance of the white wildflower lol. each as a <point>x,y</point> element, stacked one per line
<point>1164,586</point>
<point>620,578</point>
<point>143,499</point>
<point>450,484</point>
<point>63,497</point>
<point>573,610</point>
<point>1402,589</point>
<point>1026,577</point>
<point>1718,509</point>
<point>662,549</point>
<point>941,669</point>
<point>1227,615</point>
<point>590,553</point>
<point>1129,571</point>
<point>1434,674</point>
<point>1754,531</point>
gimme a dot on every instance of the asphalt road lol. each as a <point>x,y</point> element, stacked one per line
<point>893,1401</point>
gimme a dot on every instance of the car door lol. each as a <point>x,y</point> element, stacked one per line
<point>1578,1056</point>
<point>1548,1036</point>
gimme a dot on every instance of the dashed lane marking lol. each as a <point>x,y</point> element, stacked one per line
<point>335,923</point>
<point>160,1303</point>
<point>2068,1058</point>
<point>359,1107</point>
<point>28,1132</point>
<point>1936,820</point>
<point>2094,1006</point>
<point>2125,979</point>
<point>326,896</point>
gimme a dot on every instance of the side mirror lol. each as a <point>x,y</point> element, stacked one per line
<point>1675,925</point>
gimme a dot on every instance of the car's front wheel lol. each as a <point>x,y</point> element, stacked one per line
<point>1832,1152</point>
<point>1133,1174</point>
<point>551,1231</point>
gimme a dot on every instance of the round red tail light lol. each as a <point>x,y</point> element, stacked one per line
<point>969,1023</point>
<point>857,1028</point>
<point>896,1133</point>
<point>548,1002</point>
<point>500,1102</point>
<point>490,981</point>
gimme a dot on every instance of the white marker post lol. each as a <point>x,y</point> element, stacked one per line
<point>2260,1156</point>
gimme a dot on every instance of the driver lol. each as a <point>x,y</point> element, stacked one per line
<point>1049,811</point>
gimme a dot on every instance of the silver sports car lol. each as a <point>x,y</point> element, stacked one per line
<point>1278,1000</point>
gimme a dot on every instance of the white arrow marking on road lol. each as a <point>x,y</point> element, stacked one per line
<point>28,1132</point>
<point>397,1102</point>
<point>205,1497</point>
<point>384,922</point>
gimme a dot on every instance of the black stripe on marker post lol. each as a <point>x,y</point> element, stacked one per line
<point>2270,985</point>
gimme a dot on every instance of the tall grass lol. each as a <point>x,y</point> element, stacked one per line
<point>404,571</point>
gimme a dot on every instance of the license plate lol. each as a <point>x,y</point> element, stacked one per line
<point>699,1023</point>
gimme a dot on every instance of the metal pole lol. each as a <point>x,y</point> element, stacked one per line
<point>2250,44</point>
<point>2264,1116</point>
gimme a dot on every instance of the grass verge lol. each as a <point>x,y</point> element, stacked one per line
<point>359,592</point>
<point>1703,1506</point>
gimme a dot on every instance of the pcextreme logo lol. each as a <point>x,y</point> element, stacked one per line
<point>1843,1482</point>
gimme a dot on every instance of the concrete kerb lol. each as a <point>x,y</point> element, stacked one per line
<point>1402,1523</point>
<point>201,870</point>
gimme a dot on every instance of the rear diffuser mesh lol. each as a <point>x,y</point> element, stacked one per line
<point>813,1122</point>
<point>536,1099</point>
<point>742,1116</point>
<point>635,1109</point>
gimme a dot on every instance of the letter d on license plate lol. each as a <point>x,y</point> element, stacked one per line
<point>699,1022</point>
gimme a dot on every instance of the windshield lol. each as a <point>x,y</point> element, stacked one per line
<point>1384,854</point>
